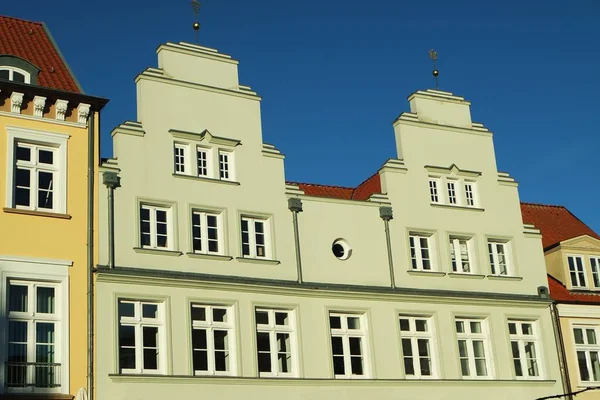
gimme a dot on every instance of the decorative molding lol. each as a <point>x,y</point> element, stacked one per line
<point>578,310</point>
<point>83,112</point>
<point>39,103</point>
<point>504,278</point>
<point>465,275</point>
<point>35,213</point>
<point>425,273</point>
<point>205,179</point>
<point>16,101</point>
<point>35,260</point>
<point>452,169</point>
<point>33,118</point>
<point>172,253</point>
<point>205,135</point>
<point>217,257</point>
<point>258,261</point>
<point>61,109</point>
<point>458,207</point>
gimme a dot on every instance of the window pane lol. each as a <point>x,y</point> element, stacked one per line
<point>44,333</point>
<point>583,369</point>
<point>512,328</point>
<point>337,347</point>
<point>285,363</point>
<point>357,365</point>
<point>198,314</point>
<point>353,323</point>
<point>283,343</point>
<point>338,365</point>
<point>150,311</point>
<point>404,325</point>
<point>46,156</point>
<point>578,335</point>
<point>200,360</point>
<point>22,197</point>
<point>45,300</point>
<point>464,367</point>
<point>150,334</point>
<point>460,327</point>
<point>262,341</point>
<point>281,318</point>
<point>161,216</point>
<point>150,358</point>
<point>591,336</point>
<point>127,358</point>
<point>409,368</point>
<point>355,346</point>
<point>221,340</point>
<point>4,74</point>
<point>219,315</point>
<point>595,365</point>
<point>264,362</point>
<point>462,348</point>
<point>480,367</point>
<point>17,298</point>
<point>262,317</point>
<point>126,309</point>
<point>421,325</point>
<point>199,339</point>
<point>335,322</point>
<point>17,331</point>
<point>478,349</point>
<point>407,348</point>
<point>221,361</point>
<point>527,329</point>
<point>18,77</point>
<point>126,336</point>
<point>475,327</point>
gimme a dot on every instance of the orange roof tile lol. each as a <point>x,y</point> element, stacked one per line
<point>361,192</point>
<point>555,222</point>
<point>32,42</point>
<point>560,293</point>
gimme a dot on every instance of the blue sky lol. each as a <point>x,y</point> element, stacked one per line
<point>335,72</point>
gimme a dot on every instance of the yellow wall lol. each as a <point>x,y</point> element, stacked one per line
<point>55,238</point>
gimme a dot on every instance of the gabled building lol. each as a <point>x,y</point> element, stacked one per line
<point>572,251</point>
<point>49,154</point>
<point>218,278</point>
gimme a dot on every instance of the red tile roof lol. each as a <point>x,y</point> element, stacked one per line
<point>32,42</point>
<point>361,192</point>
<point>555,222</point>
<point>560,293</point>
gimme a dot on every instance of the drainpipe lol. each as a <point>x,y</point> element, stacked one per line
<point>112,181</point>
<point>295,206</point>
<point>562,357</point>
<point>386,215</point>
<point>90,256</point>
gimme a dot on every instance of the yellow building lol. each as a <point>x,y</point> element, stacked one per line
<point>49,152</point>
<point>572,252</point>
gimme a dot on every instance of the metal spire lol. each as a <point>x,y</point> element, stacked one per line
<point>434,56</point>
<point>196,25</point>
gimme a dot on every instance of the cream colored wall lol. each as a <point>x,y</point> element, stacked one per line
<point>588,315</point>
<point>312,307</point>
<point>557,258</point>
<point>54,238</point>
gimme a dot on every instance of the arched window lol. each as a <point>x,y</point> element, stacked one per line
<point>14,74</point>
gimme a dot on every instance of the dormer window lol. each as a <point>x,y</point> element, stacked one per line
<point>14,74</point>
<point>577,272</point>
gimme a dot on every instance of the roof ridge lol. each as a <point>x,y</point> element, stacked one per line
<point>21,19</point>
<point>544,205</point>
<point>320,184</point>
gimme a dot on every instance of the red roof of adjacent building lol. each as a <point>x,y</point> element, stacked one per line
<point>33,42</point>
<point>555,222</point>
<point>361,192</point>
<point>560,293</point>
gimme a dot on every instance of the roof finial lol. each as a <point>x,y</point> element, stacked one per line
<point>196,25</point>
<point>433,55</point>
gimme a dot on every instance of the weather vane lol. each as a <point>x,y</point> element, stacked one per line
<point>434,56</point>
<point>196,25</point>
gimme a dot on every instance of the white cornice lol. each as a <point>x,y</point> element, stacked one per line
<point>402,120</point>
<point>579,310</point>
<point>196,51</point>
<point>35,260</point>
<point>46,120</point>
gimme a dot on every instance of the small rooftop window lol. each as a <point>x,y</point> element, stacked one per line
<point>14,74</point>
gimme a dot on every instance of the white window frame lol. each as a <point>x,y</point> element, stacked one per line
<point>153,223</point>
<point>32,317</point>
<point>494,257</point>
<point>208,160</point>
<point>470,193</point>
<point>414,336</point>
<point>56,141</point>
<point>470,338</point>
<point>588,349</point>
<point>210,326</point>
<point>230,165</point>
<point>452,191</point>
<point>521,339</point>
<point>454,245</point>
<point>203,215</point>
<point>435,195</point>
<point>595,267</point>
<point>252,237</point>
<point>272,329</point>
<point>139,322</point>
<point>579,274</point>
<point>416,260</point>
<point>12,70</point>
<point>184,150</point>
<point>345,333</point>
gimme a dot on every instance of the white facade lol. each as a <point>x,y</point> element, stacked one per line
<point>205,295</point>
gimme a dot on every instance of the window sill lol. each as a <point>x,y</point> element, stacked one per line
<point>36,213</point>
<point>172,253</point>
<point>209,256</point>
<point>36,396</point>
<point>465,275</point>
<point>504,278</point>
<point>202,178</point>
<point>417,272</point>
<point>457,207</point>
<point>258,261</point>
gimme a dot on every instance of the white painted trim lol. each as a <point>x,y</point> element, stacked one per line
<point>578,311</point>
<point>56,139</point>
<point>36,260</point>
<point>50,121</point>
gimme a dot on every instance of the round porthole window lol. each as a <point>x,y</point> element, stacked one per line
<point>341,249</point>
